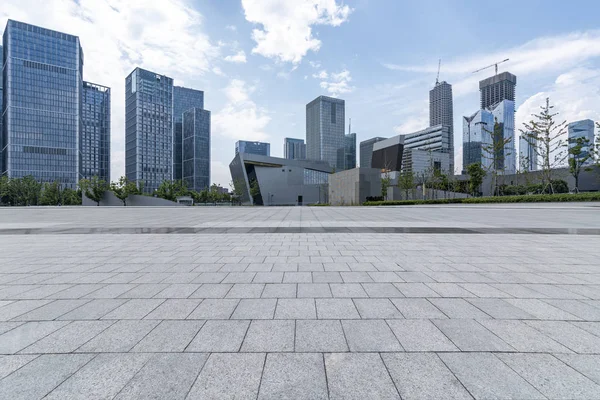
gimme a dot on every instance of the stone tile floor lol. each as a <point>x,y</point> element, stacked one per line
<point>300,315</point>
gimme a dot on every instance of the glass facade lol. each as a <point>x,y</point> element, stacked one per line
<point>260,148</point>
<point>584,129</point>
<point>183,100</point>
<point>504,113</point>
<point>42,75</point>
<point>527,154</point>
<point>325,131</point>
<point>350,151</point>
<point>313,177</point>
<point>148,128</point>
<point>196,148</point>
<point>441,113</point>
<point>94,155</point>
<point>476,136</point>
<point>366,151</point>
<point>294,149</point>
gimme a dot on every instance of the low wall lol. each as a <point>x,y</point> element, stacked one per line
<point>110,200</point>
<point>395,193</point>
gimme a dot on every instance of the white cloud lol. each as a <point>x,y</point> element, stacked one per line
<point>232,28</point>
<point>286,33</point>
<point>321,75</point>
<point>315,64</point>
<point>335,83</point>
<point>240,118</point>
<point>218,71</point>
<point>117,35</point>
<point>238,58</point>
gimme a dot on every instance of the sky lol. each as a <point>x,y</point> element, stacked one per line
<point>259,62</point>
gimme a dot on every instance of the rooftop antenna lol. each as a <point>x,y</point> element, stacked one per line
<point>437,78</point>
<point>493,65</point>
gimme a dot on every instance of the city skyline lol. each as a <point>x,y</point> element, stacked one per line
<point>260,86</point>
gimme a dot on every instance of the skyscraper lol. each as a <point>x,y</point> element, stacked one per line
<point>260,148</point>
<point>527,154</point>
<point>294,149</point>
<point>350,151</point>
<point>196,148</point>
<point>497,88</point>
<point>148,128</point>
<point>441,112</point>
<point>503,113</point>
<point>477,136</point>
<point>183,100</point>
<point>366,151</point>
<point>94,157</point>
<point>325,130</point>
<point>582,129</point>
<point>42,75</point>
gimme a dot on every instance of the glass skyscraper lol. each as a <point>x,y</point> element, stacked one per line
<point>294,149</point>
<point>183,100</point>
<point>94,155</point>
<point>325,130</point>
<point>584,129</point>
<point>476,136</point>
<point>260,148</point>
<point>196,148</point>
<point>527,154</point>
<point>366,151</point>
<point>148,128</point>
<point>350,151</point>
<point>441,113</point>
<point>42,74</point>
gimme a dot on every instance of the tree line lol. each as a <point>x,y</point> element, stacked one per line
<point>27,191</point>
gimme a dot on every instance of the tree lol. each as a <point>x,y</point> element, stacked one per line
<point>254,190</point>
<point>51,195</point>
<point>496,151</point>
<point>4,188</point>
<point>476,174</point>
<point>581,153</point>
<point>546,135</point>
<point>71,197</point>
<point>94,188</point>
<point>171,190</point>
<point>124,188</point>
<point>406,181</point>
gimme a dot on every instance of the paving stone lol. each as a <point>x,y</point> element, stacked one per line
<point>210,277</point>
<point>177,291</point>
<point>370,335</point>
<point>568,335</point>
<point>134,309</point>
<point>9,364</point>
<point>8,326</point>
<point>469,335</point>
<point>239,277</point>
<point>279,290</point>
<point>101,378</point>
<point>24,335</point>
<point>20,307</point>
<point>169,336</point>
<point>320,336</point>
<point>165,376</point>
<point>214,309</point>
<point>458,308</point>
<point>347,290</point>
<point>327,277</point>
<point>269,336</point>
<point>376,308</point>
<point>386,276</point>
<point>297,277</point>
<point>174,309</point>
<point>523,337</point>
<point>119,337</point>
<point>417,308</point>
<point>577,308</point>
<point>268,277</point>
<point>420,335</point>
<point>416,290</point>
<point>314,290</point>
<point>95,309</point>
<point>36,379</point>
<point>296,309</point>
<point>483,290</point>
<point>486,377</point>
<point>423,376</point>
<point>111,291</point>
<point>212,291</point>
<point>51,311</point>
<point>358,376</point>
<point>246,291</point>
<point>541,310</point>
<point>68,338</point>
<point>500,309</point>
<point>293,376</point>
<point>220,337</point>
<point>76,291</point>
<point>517,290</point>
<point>229,376</point>
<point>255,309</point>
<point>336,309</point>
<point>381,290</point>
<point>586,364</point>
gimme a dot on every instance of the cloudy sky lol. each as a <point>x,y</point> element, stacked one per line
<point>260,61</point>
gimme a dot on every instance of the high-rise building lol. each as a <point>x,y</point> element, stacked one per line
<point>42,74</point>
<point>582,129</point>
<point>504,114</point>
<point>366,151</point>
<point>477,137</point>
<point>183,100</point>
<point>260,148</point>
<point>325,130</point>
<point>196,149</point>
<point>497,88</point>
<point>441,112</point>
<point>527,154</point>
<point>94,155</point>
<point>350,151</point>
<point>148,128</point>
<point>294,149</point>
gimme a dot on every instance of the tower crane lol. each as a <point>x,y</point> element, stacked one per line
<point>493,65</point>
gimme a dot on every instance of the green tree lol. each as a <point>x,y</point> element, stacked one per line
<point>71,197</point>
<point>406,182</point>
<point>581,153</point>
<point>171,190</point>
<point>94,188</point>
<point>124,188</point>
<point>385,184</point>
<point>4,189</point>
<point>254,190</point>
<point>51,195</point>
<point>476,174</point>
<point>496,151</point>
<point>549,147</point>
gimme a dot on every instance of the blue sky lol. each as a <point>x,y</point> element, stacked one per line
<point>260,61</point>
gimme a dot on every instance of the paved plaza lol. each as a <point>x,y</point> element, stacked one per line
<point>431,302</point>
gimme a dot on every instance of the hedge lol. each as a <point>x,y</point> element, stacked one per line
<point>535,198</point>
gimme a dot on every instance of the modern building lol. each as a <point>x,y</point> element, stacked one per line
<point>94,146</point>
<point>435,138</point>
<point>441,112</point>
<point>582,129</point>
<point>350,151</point>
<point>477,137</point>
<point>527,154</point>
<point>259,148</point>
<point>387,154</point>
<point>325,130</point>
<point>148,128</point>
<point>354,186</point>
<point>497,88</point>
<point>294,149</point>
<point>183,100</point>
<point>366,151</point>
<point>273,181</point>
<point>418,161</point>
<point>196,149</point>
<point>42,99</point>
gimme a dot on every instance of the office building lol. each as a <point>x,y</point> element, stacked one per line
<point>42,74</point>
<point>527,154</point>
<point>435,138</point>
<point>183,100</point>
<point>325,131</point>
<point>582,129</point>
<point>350,151</point>
<point>294,149</point>
<point>387,154</point>
<point>196,149</point>
<point>279,181</point>
<point>441,112</point>
<point>477,137</point>
<point>94,155</point>
<point>148,128</point>
<point>419,162</point>
<point>259,148</point>
<point>366,151</point>
<point>504,114</point>
<point>497,88</point>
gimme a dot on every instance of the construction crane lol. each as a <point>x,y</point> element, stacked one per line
<point>437,78</point>
<point>493,65</point>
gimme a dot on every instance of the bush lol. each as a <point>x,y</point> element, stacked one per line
<point>375,198</point>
